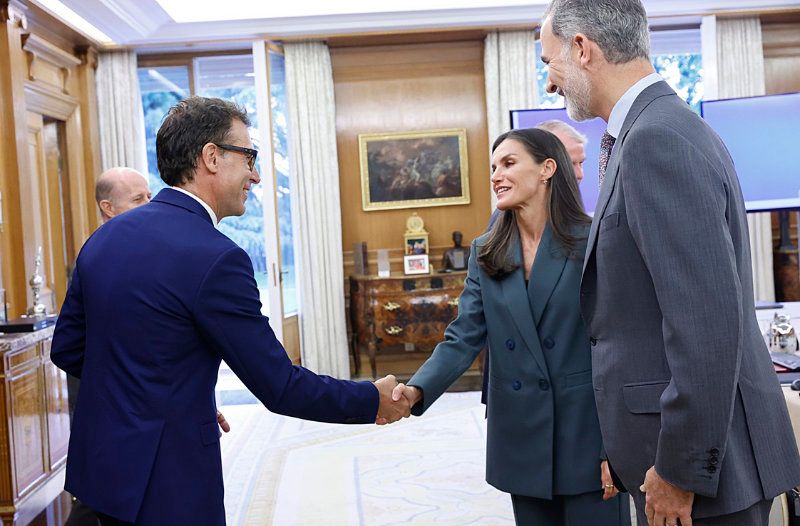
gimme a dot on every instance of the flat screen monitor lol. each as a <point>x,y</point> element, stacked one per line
<point>761,135</point>
<point>593,130</point>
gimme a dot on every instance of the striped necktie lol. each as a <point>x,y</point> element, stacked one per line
<point>606,144</point>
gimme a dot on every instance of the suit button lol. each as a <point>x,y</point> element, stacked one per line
<point>517,385</point>
<point>713,461</point>
<point>593,341</point>
<point>711,469</point>
<point>510,344</point>
<point>548,343</point>
<point>544,385</point>
<point>713,451</point>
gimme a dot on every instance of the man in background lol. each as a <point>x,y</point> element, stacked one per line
<point>120,189</point>
<point>573,140</point>
<point>158,298</point>
<point>693,418</point>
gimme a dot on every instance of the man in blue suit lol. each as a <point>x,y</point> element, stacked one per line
<point>158,297</point>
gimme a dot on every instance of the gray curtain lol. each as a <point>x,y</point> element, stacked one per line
<point>317,213</point>
<point>120,115</point>
<point>509,63</point>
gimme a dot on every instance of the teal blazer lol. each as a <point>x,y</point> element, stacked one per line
<point>543,433</point>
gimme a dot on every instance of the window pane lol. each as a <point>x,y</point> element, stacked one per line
<point>231,78</point>
<point>684,73</point>
<point>161,88</point>
<point>546,100</point>
<point>280,143</point>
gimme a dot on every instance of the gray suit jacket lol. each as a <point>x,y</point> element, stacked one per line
<point>682,377</point>
<point>543,434</point>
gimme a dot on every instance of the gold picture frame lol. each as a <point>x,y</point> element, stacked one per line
<point>414,169</point>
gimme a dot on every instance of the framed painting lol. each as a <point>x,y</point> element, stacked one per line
<point>414,169</point>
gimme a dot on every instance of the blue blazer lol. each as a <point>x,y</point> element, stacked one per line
<point>158,297</point>
<point>543,433</point>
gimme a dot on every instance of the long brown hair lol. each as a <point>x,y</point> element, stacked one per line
<point>564,205</point>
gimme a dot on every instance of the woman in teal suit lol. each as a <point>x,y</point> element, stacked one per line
<point>521,296</point>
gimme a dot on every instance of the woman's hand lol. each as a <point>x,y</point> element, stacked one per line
<point>609,491</point>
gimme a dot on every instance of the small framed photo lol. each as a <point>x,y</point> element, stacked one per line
<point>417,264</point>
<point>416,246</point>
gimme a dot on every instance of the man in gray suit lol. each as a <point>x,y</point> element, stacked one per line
<point>692,415</point>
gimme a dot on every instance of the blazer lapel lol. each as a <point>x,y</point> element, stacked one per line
<point>516,300</point>
<point>651,93</point>
<point>547,269</point>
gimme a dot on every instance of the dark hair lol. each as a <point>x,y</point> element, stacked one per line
<point>564,205</point>
<point>188,127</point>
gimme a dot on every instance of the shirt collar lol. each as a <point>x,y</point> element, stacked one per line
<point>205,205</point>
<point>623,105</point>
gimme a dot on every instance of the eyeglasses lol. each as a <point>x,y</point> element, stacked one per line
<point>249,152</point>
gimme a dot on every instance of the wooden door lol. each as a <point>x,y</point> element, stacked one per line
<point>46,212</point>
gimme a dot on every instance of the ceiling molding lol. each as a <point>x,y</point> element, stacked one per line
<point>123,21</point>
<point>144,23</point>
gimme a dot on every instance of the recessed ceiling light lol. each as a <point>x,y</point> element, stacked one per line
<point>208,10</point>
<point>72,19</point>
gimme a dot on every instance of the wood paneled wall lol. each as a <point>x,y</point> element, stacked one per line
<point>410,87</point>
<point>782,75</point>
<point>46,74</point>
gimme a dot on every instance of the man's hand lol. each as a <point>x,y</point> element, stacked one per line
<point>223,424</point>
<point>390,410</point>
<point>609,491</point>
<point>665,504</point>
<point>409,392</point>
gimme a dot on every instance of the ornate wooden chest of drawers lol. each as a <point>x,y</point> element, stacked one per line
<point>34,426</point>
<point>400,310</point>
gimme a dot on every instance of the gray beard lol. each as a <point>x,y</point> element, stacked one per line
<point>578,113</point>
<point>577,100</point>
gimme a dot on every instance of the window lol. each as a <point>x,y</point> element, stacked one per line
<point>675,55</point>
<point>546,100</point>
<point>161,88</point>
<point>684,73</point>
<point>232,78</point>
<point>228,77</point>
<point>280,145</point>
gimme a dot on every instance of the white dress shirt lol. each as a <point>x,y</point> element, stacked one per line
<point>205,205</point>
<point>623,105</point>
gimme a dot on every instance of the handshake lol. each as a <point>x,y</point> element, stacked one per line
<point>396,400</point>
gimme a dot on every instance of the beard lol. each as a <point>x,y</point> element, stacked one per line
<point>577,94</point>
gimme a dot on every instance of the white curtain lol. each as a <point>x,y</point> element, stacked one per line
<point>317,213</point>
<point>120,115</point>
<point>509,62</point>
<point>733,62</point>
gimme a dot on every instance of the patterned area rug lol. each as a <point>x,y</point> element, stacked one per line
<point>422,471</point>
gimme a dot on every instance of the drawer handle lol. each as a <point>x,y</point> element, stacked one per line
<point>391,306</point>
<point>394,330</point>
<point>453,302</point>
